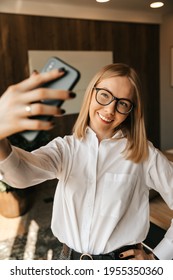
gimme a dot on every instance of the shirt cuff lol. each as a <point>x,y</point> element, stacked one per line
<point>164,250</point>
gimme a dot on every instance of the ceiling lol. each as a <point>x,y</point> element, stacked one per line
<point>131,5</point>
<point>114,10</point>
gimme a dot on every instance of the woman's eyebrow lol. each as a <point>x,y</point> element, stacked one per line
<point>105,89</point>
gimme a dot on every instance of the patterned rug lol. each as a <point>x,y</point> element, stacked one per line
<point>35,240</point>
<point>40,245</point>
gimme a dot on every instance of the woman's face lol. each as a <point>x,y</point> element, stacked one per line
<point>104,119</point>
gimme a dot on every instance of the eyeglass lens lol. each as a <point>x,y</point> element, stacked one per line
<point>104,98</point>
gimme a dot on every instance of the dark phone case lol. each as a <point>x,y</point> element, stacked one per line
<point>66,82</point>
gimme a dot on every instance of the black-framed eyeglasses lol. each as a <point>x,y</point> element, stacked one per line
<point>104,97</point>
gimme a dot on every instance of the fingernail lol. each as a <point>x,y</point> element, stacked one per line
<point>72,94</point>
<point>121,255</point>
<point>34,71</point>
<point>52,123</point>
<point>62,69</point>
<point>62,111</point>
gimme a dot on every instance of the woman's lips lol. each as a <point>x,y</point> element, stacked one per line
<point>105,119</point>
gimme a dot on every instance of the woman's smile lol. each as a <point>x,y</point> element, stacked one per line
<point>105,119</point>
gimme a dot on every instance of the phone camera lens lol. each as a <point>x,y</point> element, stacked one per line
<point>50,66</point>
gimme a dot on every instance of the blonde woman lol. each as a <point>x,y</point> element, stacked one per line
<point>105,169</point>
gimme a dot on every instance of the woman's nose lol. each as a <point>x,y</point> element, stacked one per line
<point>111,107</point>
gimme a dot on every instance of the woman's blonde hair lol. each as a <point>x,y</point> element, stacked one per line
<point>133,127</point>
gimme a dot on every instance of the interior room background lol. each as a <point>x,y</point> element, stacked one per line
<point>132,43</point>
<point>144,46</point>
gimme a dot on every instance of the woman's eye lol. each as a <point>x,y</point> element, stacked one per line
<point>123,104</point>
<point>105,95</point>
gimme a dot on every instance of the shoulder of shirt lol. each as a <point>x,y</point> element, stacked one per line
<point>154,153</point>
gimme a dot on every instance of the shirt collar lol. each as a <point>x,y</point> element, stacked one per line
<point>118,134</point>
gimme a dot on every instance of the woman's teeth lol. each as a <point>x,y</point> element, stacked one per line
<point>104,119</point>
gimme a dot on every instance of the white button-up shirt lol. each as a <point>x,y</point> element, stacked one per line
<point>102,200</point>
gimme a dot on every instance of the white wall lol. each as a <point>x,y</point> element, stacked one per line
<point>166,91</point>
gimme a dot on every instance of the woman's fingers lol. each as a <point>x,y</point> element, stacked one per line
<point>38,109</point>
<point>24,100</point>
<point>41,94</point>
<point>35,124</point>
<point>136,254</point>
<point>37,79</point>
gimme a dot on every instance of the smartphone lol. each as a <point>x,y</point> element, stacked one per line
<point>66,82</point>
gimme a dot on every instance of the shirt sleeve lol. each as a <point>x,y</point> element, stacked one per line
<point>164,250</point>
<point>159,175</point>
<point>22,169</point>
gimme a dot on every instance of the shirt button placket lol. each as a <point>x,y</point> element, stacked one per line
<point>91,188</point>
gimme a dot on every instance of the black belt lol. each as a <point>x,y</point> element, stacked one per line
<point>114,255</point>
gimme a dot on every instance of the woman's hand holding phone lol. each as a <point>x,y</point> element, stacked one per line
<point>66,82</point>
<point>22,101</point>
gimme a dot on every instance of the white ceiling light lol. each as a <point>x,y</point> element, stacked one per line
<point>156,4</point>
<point>102,1</point>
